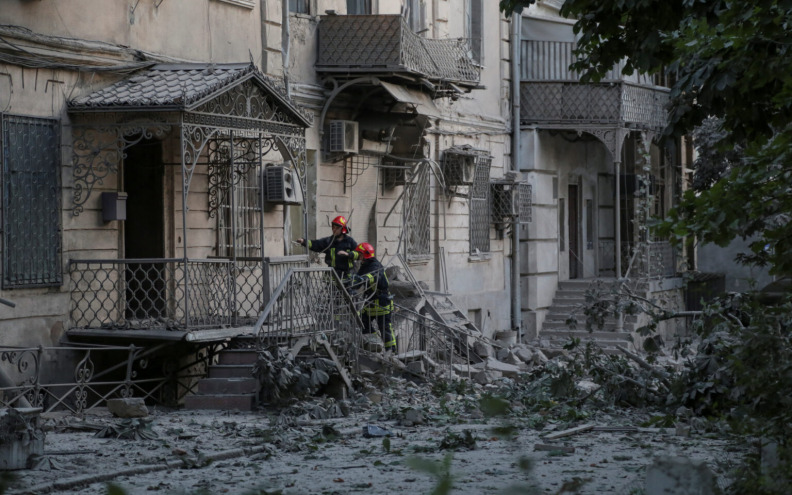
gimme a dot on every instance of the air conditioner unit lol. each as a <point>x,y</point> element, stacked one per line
<point>281,185</point>
<point>343,136</point>
<point>511,200</point>
<point>458,168</point>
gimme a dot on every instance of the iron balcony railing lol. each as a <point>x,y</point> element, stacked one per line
<point>552,94</point>
<point>374,44</point>
<point>621,104</point>
<point>173,294</point>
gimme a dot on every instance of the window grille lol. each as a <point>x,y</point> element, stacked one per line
<point>416,217</point>
<point>238,197</point>
<point>31,202</point>
<point>480,206</point>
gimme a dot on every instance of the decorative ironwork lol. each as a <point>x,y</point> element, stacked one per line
<point>574,104</point>
<point>225,172</point>
<point>98,151</point>
<point>101,373</point>
<point>30,161</point>
<point>385,43</point>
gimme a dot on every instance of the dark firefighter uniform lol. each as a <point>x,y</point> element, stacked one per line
<point>331,245</point>
<point>373,282</point>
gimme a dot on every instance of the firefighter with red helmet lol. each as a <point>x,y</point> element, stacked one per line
<point>373,283</point>
<point>337,248</point>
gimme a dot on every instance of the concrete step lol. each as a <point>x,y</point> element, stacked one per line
<point>238,356</point>
<point>222,402</point>
<point>222,386</point>
<point>554,315</point>
<point>230,371</point>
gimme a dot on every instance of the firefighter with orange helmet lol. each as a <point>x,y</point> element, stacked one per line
<point>337,248</point>
<point>373,282</point>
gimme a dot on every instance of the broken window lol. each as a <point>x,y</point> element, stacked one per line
<point>31,202</point>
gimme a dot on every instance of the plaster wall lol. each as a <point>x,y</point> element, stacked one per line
<point>189,30</point>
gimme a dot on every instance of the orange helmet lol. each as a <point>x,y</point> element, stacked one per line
<point>341,222</point>
<point>366,250</point>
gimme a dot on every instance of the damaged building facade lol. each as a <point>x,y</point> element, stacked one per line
<point>160,156</point>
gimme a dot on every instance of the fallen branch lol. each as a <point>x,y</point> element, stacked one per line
<point>660,375</point>
<point>571,431</point>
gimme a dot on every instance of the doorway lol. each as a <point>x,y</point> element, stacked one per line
<point>144,231</point>
<point>575,262</point>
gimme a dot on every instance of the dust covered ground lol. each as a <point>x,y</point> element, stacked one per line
<point>438,433</point>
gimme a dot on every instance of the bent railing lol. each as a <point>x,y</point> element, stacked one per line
<point>310,302</point>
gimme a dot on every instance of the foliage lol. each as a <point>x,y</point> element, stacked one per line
<point>729,60</point>
<point>742,373</point>
<point>441,470</point>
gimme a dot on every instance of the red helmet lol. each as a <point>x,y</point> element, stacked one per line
<point>341,222</point>
<point>366,250</point>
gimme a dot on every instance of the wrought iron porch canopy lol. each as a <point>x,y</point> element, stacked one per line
<point>204,101</point>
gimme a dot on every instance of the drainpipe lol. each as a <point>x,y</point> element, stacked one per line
<point>285,34</point>
<point>516,296</point>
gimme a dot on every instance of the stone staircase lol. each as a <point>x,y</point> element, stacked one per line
<point>229,385</point>
<point>568,303</point>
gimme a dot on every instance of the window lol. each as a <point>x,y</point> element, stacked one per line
<point>359,7</point>
<point>480,206</point>
<point>473,27</point>
<point>299,6</point>
<point>30,156</point>
<point>416,214</point>
<point>415,14</point>
<point>235,192</point>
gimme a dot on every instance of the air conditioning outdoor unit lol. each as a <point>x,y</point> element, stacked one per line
<point>281,186</point>
<point>343,136</point>
<point>459,168</point>
<point>511,200</point>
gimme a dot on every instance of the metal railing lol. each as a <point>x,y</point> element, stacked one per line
<point>173,294</point>
<point>385,43</point>
<point>311,302</point>
<point>101,373</point>
<point>614,103</point>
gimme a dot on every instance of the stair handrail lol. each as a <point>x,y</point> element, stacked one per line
<point>333,283</point>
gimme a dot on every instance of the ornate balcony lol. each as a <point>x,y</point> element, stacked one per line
<point>553,96</point>
<point>383,45</point>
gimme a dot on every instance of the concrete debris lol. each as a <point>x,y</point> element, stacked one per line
<point>486,377</point>
<point>128,407</point>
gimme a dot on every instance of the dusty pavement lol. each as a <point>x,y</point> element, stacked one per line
<point>303,449</point>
